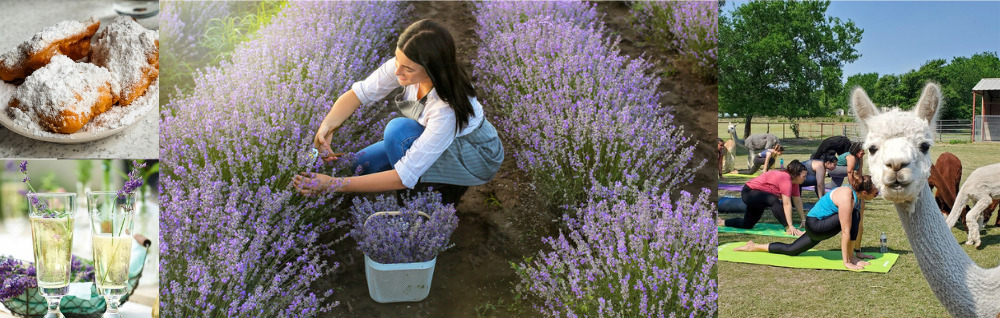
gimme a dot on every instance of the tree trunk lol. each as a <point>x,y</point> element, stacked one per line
<point>746,127</point>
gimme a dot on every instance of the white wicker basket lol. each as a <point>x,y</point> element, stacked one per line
<point>390,283</point>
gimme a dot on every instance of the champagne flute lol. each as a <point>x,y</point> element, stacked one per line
<point>111,220</point>
<point>51,217</point>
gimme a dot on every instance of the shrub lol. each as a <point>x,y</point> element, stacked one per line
<point>690,27</point>
<point>651,258</point>
<point>578,112</point>
<point>236,239</point>
<point>408,237</point>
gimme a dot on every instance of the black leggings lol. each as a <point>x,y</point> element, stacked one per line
<point>757,201</point>
<point>817,230</point>
<point>758,161</point>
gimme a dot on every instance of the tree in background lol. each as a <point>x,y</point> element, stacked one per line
<point>775,55</point>
<point>956,79</point>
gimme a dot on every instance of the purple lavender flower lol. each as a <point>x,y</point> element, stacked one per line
<point>407,237</point>
<point>690,27</point>
<point>17,277</point>
<point>24,166</point>
<point>653,257</point>
<point>134,180</point>
<point>578,111</point>
<point>236,239</point>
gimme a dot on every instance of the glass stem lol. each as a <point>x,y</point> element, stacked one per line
<point>53,304</point>
<point>112,302</point>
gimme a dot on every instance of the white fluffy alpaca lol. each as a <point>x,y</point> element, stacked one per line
<point>754,143</point>
<point>980,189</point>
<point>898,143</point>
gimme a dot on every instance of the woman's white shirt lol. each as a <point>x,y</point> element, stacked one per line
<point>437,118</point>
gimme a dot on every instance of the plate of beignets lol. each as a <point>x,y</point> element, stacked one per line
<point>74,82</point>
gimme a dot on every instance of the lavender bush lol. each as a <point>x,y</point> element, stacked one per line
<point>183,25</point>
<point>691,27</point>
<point>17,277</point>
<point>579,113</point>
<point>236,238</point>
<point>408,237</point>
<point>652,258</point>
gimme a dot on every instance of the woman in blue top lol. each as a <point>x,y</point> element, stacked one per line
<point>839,211</point>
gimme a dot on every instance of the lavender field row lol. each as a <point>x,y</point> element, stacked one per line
<point>237,239</point>
<point>586,125</point>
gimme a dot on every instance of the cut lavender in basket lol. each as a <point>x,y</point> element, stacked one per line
<point>407,237</point>
<point>17,277</point>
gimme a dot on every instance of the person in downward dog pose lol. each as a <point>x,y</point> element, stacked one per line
<point>444,139</point>
<point>767,158</point>
<point>839,211</point>
<point>816,170</point>
<point>777,190</point>
<point>848,162</point>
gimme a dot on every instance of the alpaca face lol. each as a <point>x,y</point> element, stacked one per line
<point>732,128</point>
<point>898,144</point>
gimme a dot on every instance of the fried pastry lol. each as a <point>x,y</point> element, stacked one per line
<point>65,95</point>
<point>131,53</point>
<point>70,38</point>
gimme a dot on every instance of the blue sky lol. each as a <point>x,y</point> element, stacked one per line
<point>900,36</point>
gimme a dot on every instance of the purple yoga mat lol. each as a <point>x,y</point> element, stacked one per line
<point>739,187</point>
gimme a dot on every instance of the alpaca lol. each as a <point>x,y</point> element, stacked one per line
<point>981,189</point>
<point>946,177</point>
<point>754,143</point>
<point>839,144</point>
<point>899,143</point>
<point>729,161</point>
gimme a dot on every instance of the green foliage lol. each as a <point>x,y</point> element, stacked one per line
<point>83,168</point>
<point>958,141</point>
<point>776,55</point>
<point>217,43</point>
<point>956,78</point>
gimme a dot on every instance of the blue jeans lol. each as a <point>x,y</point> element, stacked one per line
<point>399,135</point>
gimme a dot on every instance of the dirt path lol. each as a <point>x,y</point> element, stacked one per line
<point>695,103</point>
<point>504,220</point>
<point>499,223</point>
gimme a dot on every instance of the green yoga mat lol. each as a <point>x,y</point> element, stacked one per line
<point>739,175</point>
<point>810,259</point>
<point>765,229</point>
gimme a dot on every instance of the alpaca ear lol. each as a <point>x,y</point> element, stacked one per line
<point>930,101</point>
<point>862,105</point>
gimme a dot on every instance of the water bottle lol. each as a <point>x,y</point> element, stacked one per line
<point>782,162</point>
<point>883,248</point>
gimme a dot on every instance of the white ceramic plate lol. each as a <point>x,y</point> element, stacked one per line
<point>83,136</point>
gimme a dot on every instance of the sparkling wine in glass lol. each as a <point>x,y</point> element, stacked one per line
<point>51,217</point>
<point>111,220</point>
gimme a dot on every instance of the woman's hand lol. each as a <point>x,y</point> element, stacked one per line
<point>315,183</point>
<point>322,143</point>
<point>793,231</point>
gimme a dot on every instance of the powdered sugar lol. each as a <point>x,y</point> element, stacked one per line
<point>63,85</point>
<point>44,39</point>
<point>56,32</point>
<point>115,119</point>
<point>130,52</point>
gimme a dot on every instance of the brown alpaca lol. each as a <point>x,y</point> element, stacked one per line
<point>945,179</point>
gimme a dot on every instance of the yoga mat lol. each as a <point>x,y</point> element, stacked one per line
<point>739,187</point>
<point>812,259</point>
<point>740,175</point>
<point>765,229</point>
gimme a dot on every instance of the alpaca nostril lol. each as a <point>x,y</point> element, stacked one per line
<point>896,166</point>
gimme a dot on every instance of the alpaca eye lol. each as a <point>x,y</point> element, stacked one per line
<point>924,147</point>
<point>872,150</point>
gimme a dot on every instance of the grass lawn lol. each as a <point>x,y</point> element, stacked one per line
<point>747,290</point>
